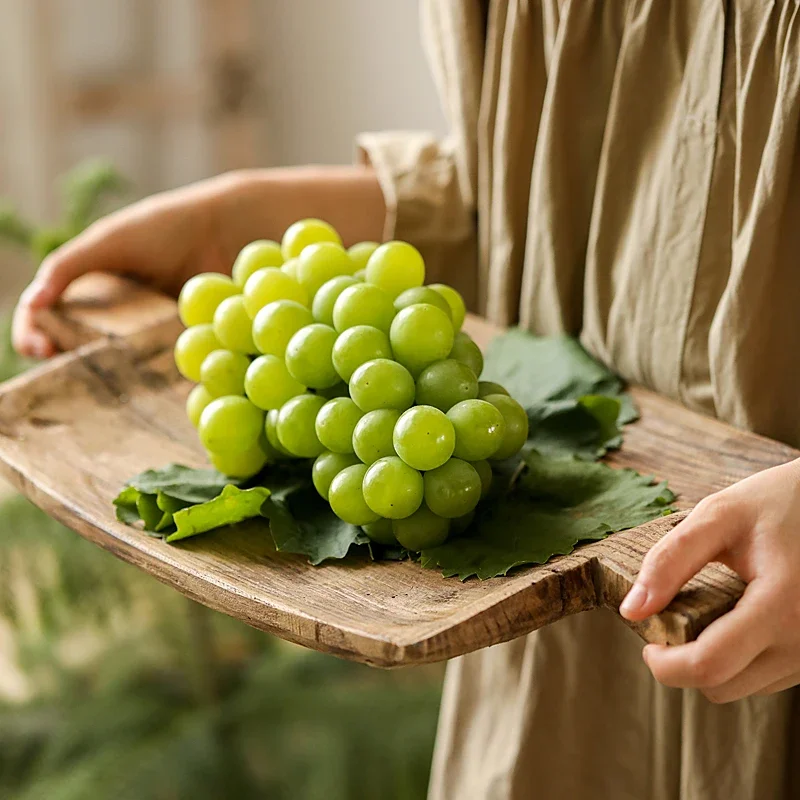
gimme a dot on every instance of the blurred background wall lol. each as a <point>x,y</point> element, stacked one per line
<point>111,685</point>
<point>176,90</point>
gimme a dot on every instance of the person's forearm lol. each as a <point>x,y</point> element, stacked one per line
<point>261,204</point>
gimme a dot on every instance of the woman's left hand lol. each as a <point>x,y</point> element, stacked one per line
<point>753,527</point>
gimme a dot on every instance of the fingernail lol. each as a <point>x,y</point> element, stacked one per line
<point>634,600</point>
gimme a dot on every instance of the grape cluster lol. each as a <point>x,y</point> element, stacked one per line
<point>346,357</point>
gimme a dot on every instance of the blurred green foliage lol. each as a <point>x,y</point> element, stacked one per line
<point>136,692</point>
<point>85,192</point>
<point>113,686</point>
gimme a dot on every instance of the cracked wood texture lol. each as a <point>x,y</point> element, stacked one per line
<point>72,431</point>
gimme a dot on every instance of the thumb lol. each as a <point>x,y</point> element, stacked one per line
<point>697,541</point>
<point>99,248</point>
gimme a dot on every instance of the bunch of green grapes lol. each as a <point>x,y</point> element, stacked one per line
<point>312,351</point>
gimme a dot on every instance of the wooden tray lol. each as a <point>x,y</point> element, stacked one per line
<point>73,429</point>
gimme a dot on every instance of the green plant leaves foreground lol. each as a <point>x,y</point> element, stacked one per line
<point>543,504</point>
<point>177,502</point>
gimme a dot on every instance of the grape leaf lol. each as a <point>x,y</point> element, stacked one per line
<point>570,398</point>
<point>586,427</point>
<point>183,483</point>
<point>537,369</point>
<point>125,504</point>
<point>169,506</point>
<point>555,504</point>
<point>149,512</point>
<point>233,505</point>
<point>302,522</point>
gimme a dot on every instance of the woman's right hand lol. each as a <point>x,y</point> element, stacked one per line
<point>160,241</point>
<point>164,240</point>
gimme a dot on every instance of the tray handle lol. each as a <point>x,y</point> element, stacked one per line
<point>101,305</point>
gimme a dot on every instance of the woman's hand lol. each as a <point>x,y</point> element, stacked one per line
<point>752,527</point>
<point>164,240</point>
<point>160,241</point>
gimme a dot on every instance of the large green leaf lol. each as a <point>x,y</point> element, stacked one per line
<point>302,522</point>
<point>555,504</point>
<point>575,405</point>
<point>536,369</point>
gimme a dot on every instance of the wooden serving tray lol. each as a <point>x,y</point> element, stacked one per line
<point>74,429</point>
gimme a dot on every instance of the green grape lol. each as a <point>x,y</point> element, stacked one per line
<point>326,296</point>
<point>445,383</point>
<point>480,429</point>
<point>372,436</point>
<point>453,489</point>
<point>271,433</point>
<point>295,425</point>
<point>309,356</point>
<point>392,489</point>
<point>223,371</point>
<point>361,274</point>
<point>321,262</point>
<point>191,349</point>
<point>268,383</point>
<point>361,252</point>
<point>197,400</point>
<point>336,422</point>
<point>230,425</point>
<point>420,335</point>
<point>467,352</point>
<point>381,532</point>
<point>486,388</point>
<point>201,295</point>
<point>233,326</point>
<point>356,346</point>
<point>395,267</point>
<point>454,300</point>
<point>271,284</point>
<point>290,268</point>
<point>276,323</point>
<point>422,294</point>
<point>243,464</point>
<point>382,383</point>
<point>256,256</point>
<point>484,470</point>
<point>516,419</point>
<point>363,304</point>
<point>305,232</point>
<point>460,524</point>
<point>327,467</point>
<point>346,496</point>
<point>423,529</point>
<point>424,437</point>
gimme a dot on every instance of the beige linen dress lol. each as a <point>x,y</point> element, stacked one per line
<point>628,171</point>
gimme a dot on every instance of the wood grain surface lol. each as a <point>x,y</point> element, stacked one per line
<point>72,430</point>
